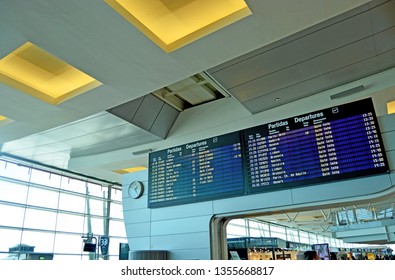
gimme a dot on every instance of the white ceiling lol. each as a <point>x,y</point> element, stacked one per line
<point>338,51</point>
<point>300,51</point>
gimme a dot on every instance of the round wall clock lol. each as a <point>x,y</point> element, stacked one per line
<point>136,189</point>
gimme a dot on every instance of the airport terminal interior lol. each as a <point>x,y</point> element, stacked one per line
<point>197,129</point>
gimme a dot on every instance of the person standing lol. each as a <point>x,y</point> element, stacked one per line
<point>311,255</point>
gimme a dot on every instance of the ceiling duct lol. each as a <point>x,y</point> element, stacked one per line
<point>142,152</point>
<point>157,112</point>
<point>348,92</point>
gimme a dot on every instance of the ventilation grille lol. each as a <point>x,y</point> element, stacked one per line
<point>148,255</point>
<point>192,91</point>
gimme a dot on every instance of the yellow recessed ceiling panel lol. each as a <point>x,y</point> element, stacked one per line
<point>391,107</point>
<point>130,170</point>
<point>175,23</point>
<point>42,75</point>
<point>5,121</point>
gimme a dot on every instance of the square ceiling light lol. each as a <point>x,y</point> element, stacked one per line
<point>34,71</point>
<point>391,107</point>
<point>172,24</point>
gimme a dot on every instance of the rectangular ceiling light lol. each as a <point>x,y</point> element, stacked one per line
<point>130,170</point>
<point>34,71</point>
<point>391,107</point>
<point>172,24</point>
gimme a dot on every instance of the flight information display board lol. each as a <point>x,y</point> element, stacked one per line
<point>336,143</point>
<point>327,145</point>
<point>206,169</point>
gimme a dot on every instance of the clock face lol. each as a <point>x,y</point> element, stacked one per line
<point>136,189</point>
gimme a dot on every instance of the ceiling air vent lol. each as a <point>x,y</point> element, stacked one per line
<point>190,92</point>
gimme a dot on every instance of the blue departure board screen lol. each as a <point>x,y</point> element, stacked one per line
<point>331,144</point>
<point>206,169</point>
<point>335,143</point>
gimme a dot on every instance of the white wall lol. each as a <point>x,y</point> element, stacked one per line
<point>184,230</point>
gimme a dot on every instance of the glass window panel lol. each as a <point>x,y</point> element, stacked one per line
<point>96,190</point>
<point>96,207</point>
<point>42,197</point>
<point>351,216</point>
<point>74,185</point>
<point>256,233</point>
<point>42,241</point>
<point>116,195</point>
<point>364,215</point>
<point>2,167</point>
<point>70,223</point>
<point>117,228</point>
<point>45,178</point>
<point>39,176</point>
<point>304,237</point>
<point>233,235</point>
<point>12,192</point>
<point>97,226</point>
<point>235,230</point>
<point>38,219</point>
<point>312,238</point>
<point>12,170</point>
<point>54,180</point>
<point>292,235</point>
<point>277,229</point>
<point>240,222</point>
<point>9,238</point>
<point>327,240</point>
<point>253,224</point>
<point>72,203</point>
<point>116,210</point>
<point>65,258</point>
<point>14,217</point>
<point>384,213</point>
<point>68,244</point>
<point>346,217</point>
<point>342,218</point>
<point>279,235</point>
<point>258,225</point>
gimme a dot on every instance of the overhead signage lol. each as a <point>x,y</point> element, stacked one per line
<point>326,145</point>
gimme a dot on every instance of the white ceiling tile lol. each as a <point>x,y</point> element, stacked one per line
<point>338,58</point>
<point>253,67</point>
<point>266,84</point>
<point>330,38</point>
<point>382,16</point>
<point>385,40</point>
